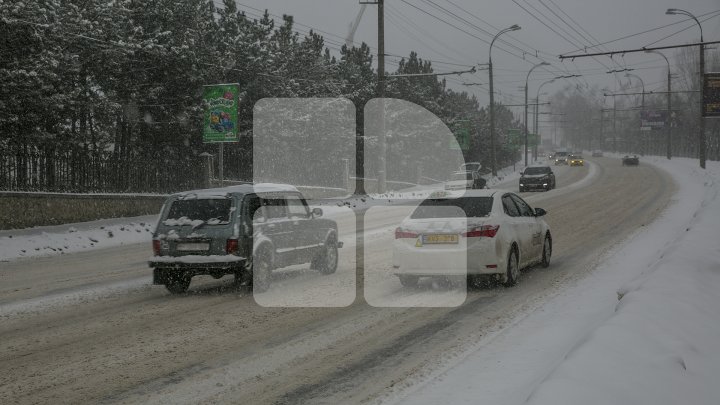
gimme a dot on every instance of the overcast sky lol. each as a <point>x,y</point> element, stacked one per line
<point>409,29</point>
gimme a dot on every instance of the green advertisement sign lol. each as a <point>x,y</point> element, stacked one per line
<point>516,138</point>
<point>461,130</point>
<point>221,113</point>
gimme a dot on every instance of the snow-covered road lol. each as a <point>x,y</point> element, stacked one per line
<point>643,328</point>
<point>70,332</point>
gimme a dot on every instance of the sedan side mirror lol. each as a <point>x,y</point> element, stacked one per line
<point>317,212</point>
<point>539,212</point>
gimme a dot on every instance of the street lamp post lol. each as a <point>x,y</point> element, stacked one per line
<point>537,110</point>
<point>642,105</point>
<point>701,135</point>
<point>492,99</point>
<point>668,123</point>
<point>526,108</point>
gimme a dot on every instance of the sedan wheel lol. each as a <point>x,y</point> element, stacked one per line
<point>547,251</point>
<point>513,272</point>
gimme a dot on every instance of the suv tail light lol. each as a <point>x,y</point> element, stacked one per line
<point>156,247</point>
<point>487,231</point>
<point>231,246</point>
<point>403,234</point>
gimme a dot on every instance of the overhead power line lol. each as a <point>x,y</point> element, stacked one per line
<point>611,53</point>
<point>643,32</point>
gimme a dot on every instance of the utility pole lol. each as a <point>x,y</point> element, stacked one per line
<point>382,166</point>
<point>601,141</point>
<point>614,127</point>
<point>668,141</point>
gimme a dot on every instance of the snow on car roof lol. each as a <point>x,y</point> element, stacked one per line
<point>483,192</point>
<point>222,192</point>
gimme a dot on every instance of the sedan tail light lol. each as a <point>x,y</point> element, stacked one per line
<point>156,247</point>
<point>487,231</point>
<point>231,246</point>
<point>403,234</point>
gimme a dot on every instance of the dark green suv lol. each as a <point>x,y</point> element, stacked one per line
<point>245,230</point>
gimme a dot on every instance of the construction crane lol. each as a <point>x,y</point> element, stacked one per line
<point>349,41</point>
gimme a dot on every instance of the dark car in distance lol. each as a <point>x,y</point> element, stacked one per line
<point>246,231</point>
<point>537,178</point>
<point>633,160</point>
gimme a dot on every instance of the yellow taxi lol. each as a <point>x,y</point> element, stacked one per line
<point>576,160</point>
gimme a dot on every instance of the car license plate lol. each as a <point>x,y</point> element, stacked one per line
<point>193,247</point>
<point>439,239</point>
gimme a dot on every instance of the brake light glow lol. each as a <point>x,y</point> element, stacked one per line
<point>231,246</point>
<point>487,231</point>
<point>156,247</point>
<point>403,234</point>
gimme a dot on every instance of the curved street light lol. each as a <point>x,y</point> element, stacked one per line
<point>642,106</point>
<point>492,99</point>
<point>537,106</point>
<point>701,135</point>
<point>668,124</point>
<point>526,107</point>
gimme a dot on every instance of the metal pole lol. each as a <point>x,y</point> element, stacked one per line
<point>668,123</point>
<point>537,113</point>
<point>493,164</point>
<point>668,141</point>
<point>526,107</point>
<point>492,118</point>
<point>701,136</point>
<point>382,166</point>
<point>614,126</point>
<point>526,120</point>
<point>702,146</point>
<point>221,163</point>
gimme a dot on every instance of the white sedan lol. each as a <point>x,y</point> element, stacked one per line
<point>471,233</point>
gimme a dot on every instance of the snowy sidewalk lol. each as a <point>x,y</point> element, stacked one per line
<point>643,328</point>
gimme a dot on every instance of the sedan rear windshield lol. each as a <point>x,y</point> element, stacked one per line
<point>462,176</point>
<point>537,170</point>
<point>209,211</point>
<point>438,208</point>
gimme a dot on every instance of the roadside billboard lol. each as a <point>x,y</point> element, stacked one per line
<point>653,120</point>
<point>221,113</point>
<point>711,95</point>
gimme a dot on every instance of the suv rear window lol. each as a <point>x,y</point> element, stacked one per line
<point>437,208</point>
<point>210,211</point>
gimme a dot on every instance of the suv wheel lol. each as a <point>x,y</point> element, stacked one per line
<point>262,270</point>
<point>327,260</point>
<point>178,285</point>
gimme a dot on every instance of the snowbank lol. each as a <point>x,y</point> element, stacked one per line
<point>71,238</point>
<point>661,345</point>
